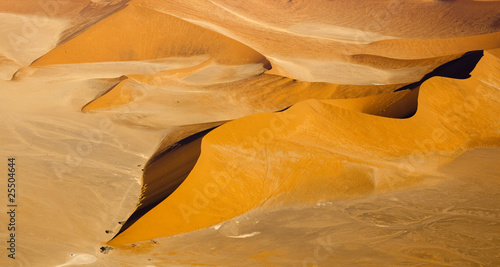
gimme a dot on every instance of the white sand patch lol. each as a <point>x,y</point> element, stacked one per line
<point>338,72</point>
<point>338,33</point>
<point>109,69</point>
<point>79,259</point>
<point>216,73</point>
<point>244,235</point>
<point>312,30</point>
<point>28,37</point>
<point>217,226</point>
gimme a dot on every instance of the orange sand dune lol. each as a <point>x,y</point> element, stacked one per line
<point>450,222</point>
<point>180,150</point>
<point>132,34</point>
<point>316,150</point>
<point>173,161</point>
<point>110,107</point>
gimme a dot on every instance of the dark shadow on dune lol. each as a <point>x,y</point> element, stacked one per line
<point>459,68</point>
<point>167,169</point>
<point>117,81</point>
<point>165,172</point>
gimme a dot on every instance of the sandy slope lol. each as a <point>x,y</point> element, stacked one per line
<point>78,175</point>
<point>317,150</point>
<point>451,220</point>
<point>104,94</point>
<point>33,27</point>
<point>165,99</point>
<point>138,27</point>
<point>355,51</point>
<point>346,29</point>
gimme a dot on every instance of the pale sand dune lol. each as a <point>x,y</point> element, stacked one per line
<point>50,8</point>
<point>69,194</point>
<point>7,67</point>
<point>335,42</point>
<point>34,27</point>
<point>345,162</point>
<point>107,69</point>
<point>368,74</point>
<point>112,118</point>
<point>432,35</point>
<point>80,14</point>
<point>164,99</point>
<point>429,19</point>
<point>20,31</point>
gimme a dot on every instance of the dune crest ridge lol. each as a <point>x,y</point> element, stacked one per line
<point>316,150</point>
<point>381,34</point>
<point>252,133</point>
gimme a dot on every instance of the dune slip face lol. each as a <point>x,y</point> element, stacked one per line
<point>260,160</point>
<point>251,133</point>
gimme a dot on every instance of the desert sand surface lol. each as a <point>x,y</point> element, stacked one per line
<point>250,133</point>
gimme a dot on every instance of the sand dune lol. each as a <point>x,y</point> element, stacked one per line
<point>259,133</point>
<point>9,67</point>
<point>138,27</point>
<point>26,31</point>
<point>179,152</point>
<point>250,162</point>
<point>33,28</point>
<point>164,98</point>
<point>422,225</point>
<point>358,34</point>
<point>342,45</point>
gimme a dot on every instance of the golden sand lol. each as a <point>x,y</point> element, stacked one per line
<point>252,133</point>
<point>130,27</point>
<point>317,150</point>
